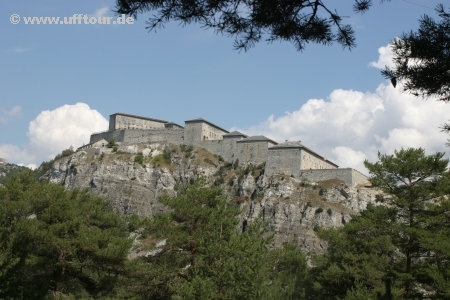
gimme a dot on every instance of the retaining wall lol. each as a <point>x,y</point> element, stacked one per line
<point>350,176</point>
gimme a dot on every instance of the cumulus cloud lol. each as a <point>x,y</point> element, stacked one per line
<point>101,12</point>
<point>53,131</point>
<point>351,126</point>
<point>8,115</point>
<point>384,58</point>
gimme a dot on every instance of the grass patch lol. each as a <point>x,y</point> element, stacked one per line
<point>330,183</point>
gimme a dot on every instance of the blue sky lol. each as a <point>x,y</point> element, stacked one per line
<point>180,73</point>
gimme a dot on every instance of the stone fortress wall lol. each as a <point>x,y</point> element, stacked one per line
<point>289,158</point>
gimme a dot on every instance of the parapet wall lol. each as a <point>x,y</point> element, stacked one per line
<point>350,176</point>
<point>163,135</point>
<point>138,136</point>
<point>117,135</point>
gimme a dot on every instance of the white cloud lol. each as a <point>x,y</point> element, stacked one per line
<point>101,12</point>
<point>53,131</point>
<point>384,58</point>
<point>8,115</point>
<point>18,50</point>
<point>352,126</point>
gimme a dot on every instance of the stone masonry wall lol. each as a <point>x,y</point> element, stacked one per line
<point>350,176</point>
<point>286,159</point>
<point>129,122</point>
<point>311,161</point>
<point>137,136</point>
<point>255,152</point>
<point>118,135</point>
<point>225,148</point>
<point>193,133</point>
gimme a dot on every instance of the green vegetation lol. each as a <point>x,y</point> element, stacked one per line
<point>405,243</point>
<point>205,257</point>
<point>321,192</point>
<point>9,170</point>
<point>139,158</point>
<point>111,143</point>
<point>56,243</point>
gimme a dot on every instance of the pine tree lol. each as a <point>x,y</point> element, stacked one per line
<point>418,186</point>
<point>57,243</point>
<point>207,256</point>
<point>404,241</point>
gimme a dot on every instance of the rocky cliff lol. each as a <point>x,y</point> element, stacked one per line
<point>134,177</point>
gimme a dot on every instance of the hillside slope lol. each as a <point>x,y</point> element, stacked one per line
<point>134,177</point>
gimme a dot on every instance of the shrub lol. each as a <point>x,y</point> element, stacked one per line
<point>67,152</point>
<point>318,210</point>
<point>111,143</point>
<point>321,191</point>
<point>329,211</point>
<point>139,158</point>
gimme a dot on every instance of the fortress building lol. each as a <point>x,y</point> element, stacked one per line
<point>289,158</point>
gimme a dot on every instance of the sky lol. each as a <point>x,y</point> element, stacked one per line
<point>60,83</point>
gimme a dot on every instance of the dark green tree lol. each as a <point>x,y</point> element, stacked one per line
<point>359,256</point>
<point>56,243</point>
<point>250,21</point>
<point>422,58</point>
<point>207,257</point>
<point>418,186</point>
<point>402,241</point>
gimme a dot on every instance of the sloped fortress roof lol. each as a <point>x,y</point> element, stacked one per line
<point>140,117</point>
<point>234,134</point>
<point>201,120</point>
<point>257,138</point>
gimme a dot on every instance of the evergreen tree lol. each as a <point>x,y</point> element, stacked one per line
<point>298,22</point>
<point>56,243</point>
<point>405,241</point>
<point>359,256</point>
<point>422,58</point>
<point>418,187</point>
<point>207,257</point>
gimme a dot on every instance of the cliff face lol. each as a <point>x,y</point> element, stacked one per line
<point>291,208</point>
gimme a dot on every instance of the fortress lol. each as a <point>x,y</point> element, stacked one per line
<point>289,158</point>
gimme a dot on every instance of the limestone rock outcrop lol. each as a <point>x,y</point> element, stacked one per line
<point>292,208</point>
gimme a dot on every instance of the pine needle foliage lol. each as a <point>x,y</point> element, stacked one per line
<point>56,243</point>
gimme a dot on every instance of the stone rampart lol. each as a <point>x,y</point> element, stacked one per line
<point>117,135</point>
<point>285,159</point>
<point>290,158</point>
<point>254,152</point>
<point>139,136</point>
<point>163,135</point>
<point>350,176</point>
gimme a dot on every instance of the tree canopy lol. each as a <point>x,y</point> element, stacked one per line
<point>422,58</point>
<point>57,244</point>
<point>250,21</point>
<point>206,255</point>
<point>405,241</point>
